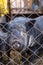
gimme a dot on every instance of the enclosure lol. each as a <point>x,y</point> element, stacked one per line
<point>21,32</point>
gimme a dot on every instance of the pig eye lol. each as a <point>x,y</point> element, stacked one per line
<point>16,32</point>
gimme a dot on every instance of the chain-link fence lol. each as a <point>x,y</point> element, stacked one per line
<point>21,39</point>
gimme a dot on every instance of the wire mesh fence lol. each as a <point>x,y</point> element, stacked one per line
<point>21,39</point>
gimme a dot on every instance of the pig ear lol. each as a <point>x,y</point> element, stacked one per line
<point>30,24</point>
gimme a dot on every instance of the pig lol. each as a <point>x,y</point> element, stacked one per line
<point>18,31</point>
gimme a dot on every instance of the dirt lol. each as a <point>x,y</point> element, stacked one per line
<point>40,62</point>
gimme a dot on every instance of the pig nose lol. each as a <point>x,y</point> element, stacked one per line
<point>16,45</point>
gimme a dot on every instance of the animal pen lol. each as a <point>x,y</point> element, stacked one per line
<point>21,32</point>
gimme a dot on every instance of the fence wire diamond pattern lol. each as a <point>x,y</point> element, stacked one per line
<point>21,40</point>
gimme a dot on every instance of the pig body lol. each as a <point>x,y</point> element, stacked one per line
<point>37,33</point>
